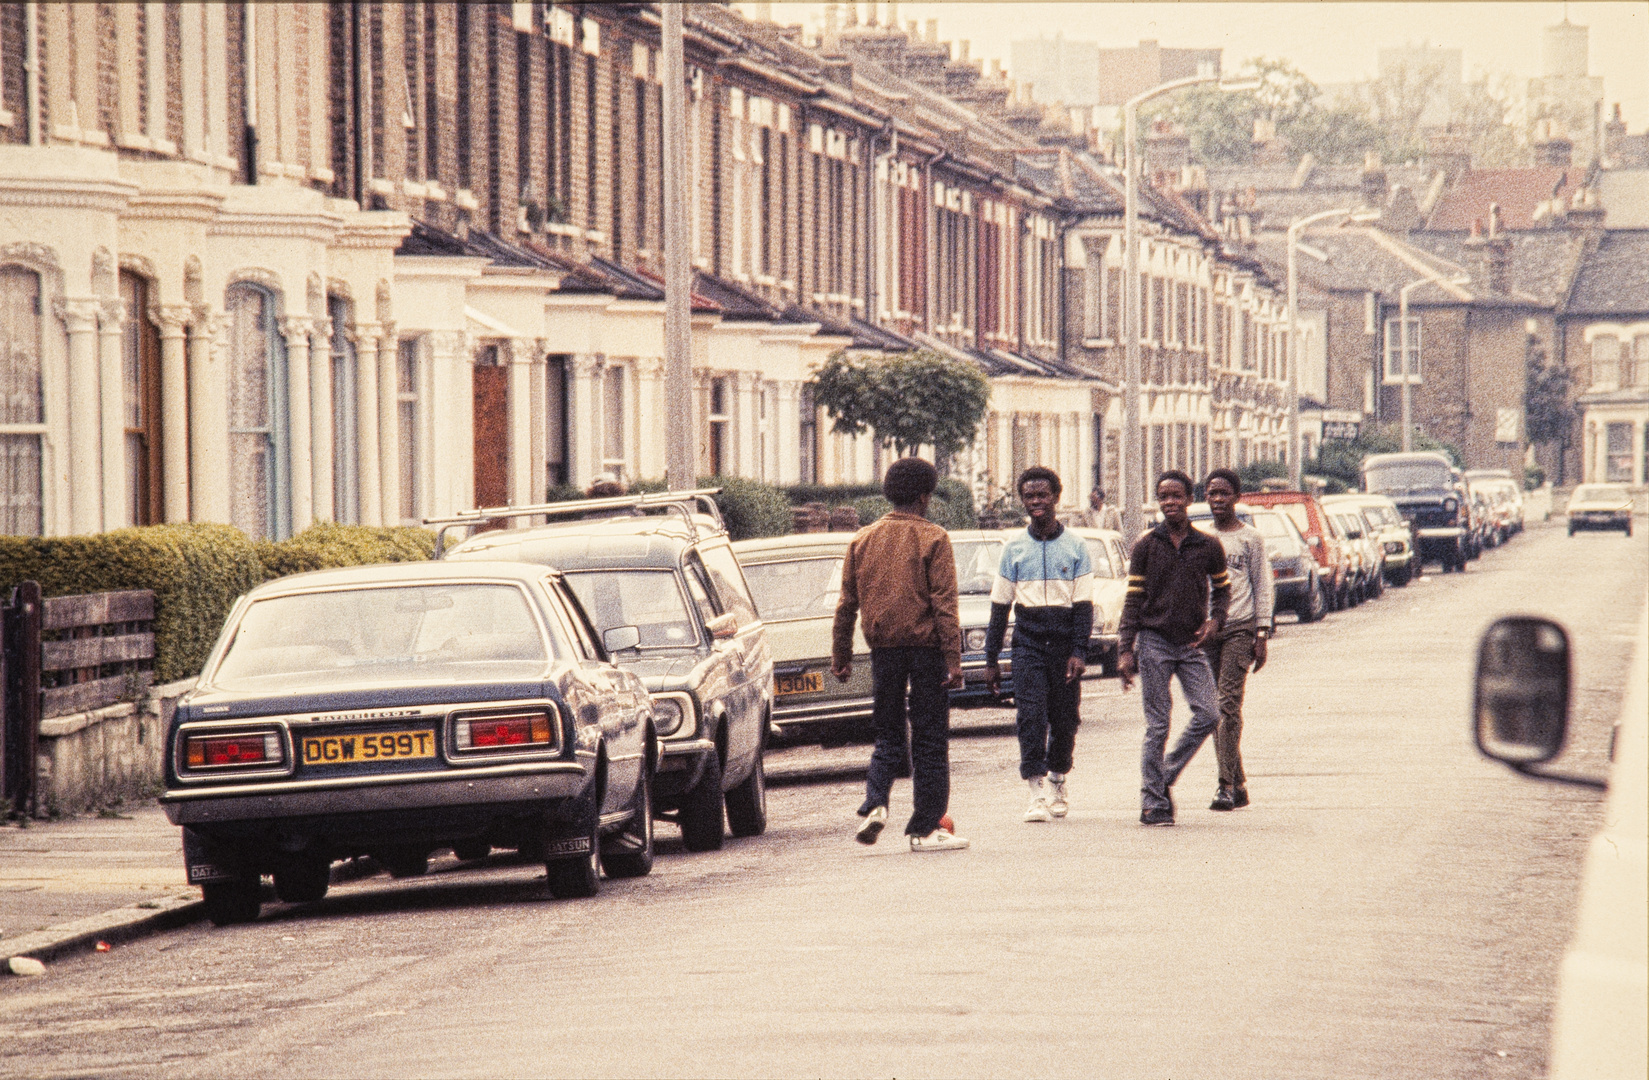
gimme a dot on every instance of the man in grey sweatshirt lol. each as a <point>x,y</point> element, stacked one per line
<point>1241,642</point>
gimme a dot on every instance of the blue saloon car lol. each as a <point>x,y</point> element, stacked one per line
<point>393,711</point>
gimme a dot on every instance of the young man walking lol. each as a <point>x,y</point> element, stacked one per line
<point>1241,643</point>
<point>1178,589</point>
<point>900,575</point>
<point>1046,577</point>
<point>1098,515</point>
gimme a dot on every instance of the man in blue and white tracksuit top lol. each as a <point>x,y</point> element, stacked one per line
<point>1046,576</point>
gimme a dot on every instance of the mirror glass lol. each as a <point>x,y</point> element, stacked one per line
<point>619,638</point>
<point>1522,694</point>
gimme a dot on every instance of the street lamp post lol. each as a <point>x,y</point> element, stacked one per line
<point>1294,229</point>
<point>1132,472</point>
<point>678,270</point>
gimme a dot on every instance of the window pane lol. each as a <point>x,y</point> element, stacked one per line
<point>407,383</point>
<point>249,483</point>
<point>795,589</point>
<point>346,471</point>
<point>249,360</point>
<point>20,511</point>
<point>612,401</point>
<point>20,401</point>
<point>649,600</point>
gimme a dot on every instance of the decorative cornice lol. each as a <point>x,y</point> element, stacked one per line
<point>257,275</point>
<point>110,198</point>
<point>37,256</point>
<point>139,265</point>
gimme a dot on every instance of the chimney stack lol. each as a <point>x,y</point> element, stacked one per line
<point>1552,148</point>
<point>1373,180</point>
<point>832,35</point>
<point>1449,152</point>
<point>933,32</point>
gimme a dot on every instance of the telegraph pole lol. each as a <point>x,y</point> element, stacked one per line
<point>678,270</point>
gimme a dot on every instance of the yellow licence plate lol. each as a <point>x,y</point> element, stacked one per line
<point>372,746</point>
<point>806,682</point>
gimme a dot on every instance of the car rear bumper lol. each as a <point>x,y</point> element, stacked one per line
<point>403,793</point>
<point>804,714</point>
<point>1600,521</point>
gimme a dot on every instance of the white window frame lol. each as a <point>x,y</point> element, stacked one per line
<point>1394,339</point>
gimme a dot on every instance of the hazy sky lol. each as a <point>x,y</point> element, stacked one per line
<point>1330,41</point>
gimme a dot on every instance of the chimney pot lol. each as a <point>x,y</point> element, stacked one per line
<point>933,31</point>
<point>965,46</point>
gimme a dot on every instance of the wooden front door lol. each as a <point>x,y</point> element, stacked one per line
<point>492,435</point>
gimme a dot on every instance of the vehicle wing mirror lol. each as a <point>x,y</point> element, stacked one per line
<point>1314,541</point>
<point>618,638</point>
<point>1520,711</point>
<point>723,627</point>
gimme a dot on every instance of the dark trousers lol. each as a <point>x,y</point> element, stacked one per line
<point>926,752</point>
<point>1045,709</point>
<point>1230,655</point>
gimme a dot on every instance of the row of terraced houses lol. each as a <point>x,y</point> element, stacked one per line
<point>277,263</point>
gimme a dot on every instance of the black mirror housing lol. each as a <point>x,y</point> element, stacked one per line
<point>1520,711</point>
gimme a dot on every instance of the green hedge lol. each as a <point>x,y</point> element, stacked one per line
<point>749,507</point>
<point>327,544</point>
<point>195,570</point>
<point>952,505</point>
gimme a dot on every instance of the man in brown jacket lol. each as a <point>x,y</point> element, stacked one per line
<point>900,573</point>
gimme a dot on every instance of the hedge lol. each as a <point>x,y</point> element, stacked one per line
<point>952,505</point>
<point>195,570</point>
<point>327,544</point>
<point>750,508</point>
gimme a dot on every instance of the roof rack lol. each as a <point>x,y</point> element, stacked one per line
<point>685,503</point>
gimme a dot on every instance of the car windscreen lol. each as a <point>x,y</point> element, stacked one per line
<point>1297,512</point>
<point>406,633</point>
<point>649,600</point>
<point>1401,478</point>
<point>1099,553</point>
<point>976,565</point>
<point>795,588</point>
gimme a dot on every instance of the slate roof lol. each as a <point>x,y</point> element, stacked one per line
<point>1614,279</point>
<point>1543,263</point>
<point>427,239</point>
<point>1518,191</point>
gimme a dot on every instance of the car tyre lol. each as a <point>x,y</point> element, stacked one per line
<point>630,853</point>
<point>578,877</point>
<point>1377,585</point>
<point>303,881</point>
<point>701,809</point>
<point>1315,604</point>
<point>1402,577</point>
<point>747,803</point>
<point>231,902</point>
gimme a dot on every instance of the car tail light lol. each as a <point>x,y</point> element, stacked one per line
<point>512,731</point>
<point>234,751</point>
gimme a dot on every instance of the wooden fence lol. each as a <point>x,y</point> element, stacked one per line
<point>65,655</point>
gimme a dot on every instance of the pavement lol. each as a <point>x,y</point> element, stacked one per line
<point>66,885</point>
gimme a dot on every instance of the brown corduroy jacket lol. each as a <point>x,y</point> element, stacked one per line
<point>900,574</point>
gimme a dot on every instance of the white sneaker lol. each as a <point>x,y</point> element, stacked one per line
<point>873,824</point>
<point>1038,810</point>
<point>938,840</point>
<point>1058,806</point>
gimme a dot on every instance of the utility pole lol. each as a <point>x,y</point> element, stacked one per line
<point>678,269</point>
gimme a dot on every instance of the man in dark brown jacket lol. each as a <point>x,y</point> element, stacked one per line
<point>900,575</point>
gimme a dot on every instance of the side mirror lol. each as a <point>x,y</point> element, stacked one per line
<point>618,638</point>
<point>1314,541</point>
<point>1520,710</point>
<point>723,627</point>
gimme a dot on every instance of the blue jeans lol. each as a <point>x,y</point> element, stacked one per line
<point>922,671</point>
<point>1045,709</point>
<point>1158,663</point>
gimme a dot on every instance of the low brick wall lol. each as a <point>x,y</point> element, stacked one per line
<point>113,754</point>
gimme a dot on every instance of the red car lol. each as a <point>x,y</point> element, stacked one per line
<point>1333,560</point>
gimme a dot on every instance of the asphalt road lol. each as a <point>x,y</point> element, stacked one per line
<point>1392,905</point>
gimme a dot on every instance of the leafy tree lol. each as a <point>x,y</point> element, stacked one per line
<point>1547,415</point>
<point>1341,460</point>
<point>913,399</point>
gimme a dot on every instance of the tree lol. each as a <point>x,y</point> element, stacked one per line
<point>913,399</point>
<point>1547,415</point>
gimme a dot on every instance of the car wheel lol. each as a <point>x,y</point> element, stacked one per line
<point>630,853</point>
<point>747,803</point>
<point>1402,577</point>
<point>1628,529</point>
<point>471,850</point>
<point>1571,530</point>
<point>1377,585</point>
<point>1315,603</point>
<point>403,862</point>
<point>700,816</point>
<point>579,876</point>
<point>303,881</point>
<point>231,902</point>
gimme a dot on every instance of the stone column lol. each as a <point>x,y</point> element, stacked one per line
<point>522,351</point>
<point>649,453</point>
<point>174,410</point>
<point>300,450</point>
<point>366,422</point>
<point>583,441</point>
<point>446,426</point>
<point>746,441</point>
<point>209,417</point>
<point>112,395</point>
<point>320,420</point>
<point>389,424</point>
<point>786,426</point>
<point>85,466</point>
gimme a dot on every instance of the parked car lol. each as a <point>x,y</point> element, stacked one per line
<point>1333,560</point>
<point>395,710</point>
<point>1371,581</point>
<point>1110,563</point>
<point>796,581</point>
<point>1505,499</point>
<point>1422,485</point>
<point>1481,527</point>
<point>1293,567</point>
<point>978,555</point>
<point>663,564</point>
<point>1600,506</point>
<point>1388,529</point>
